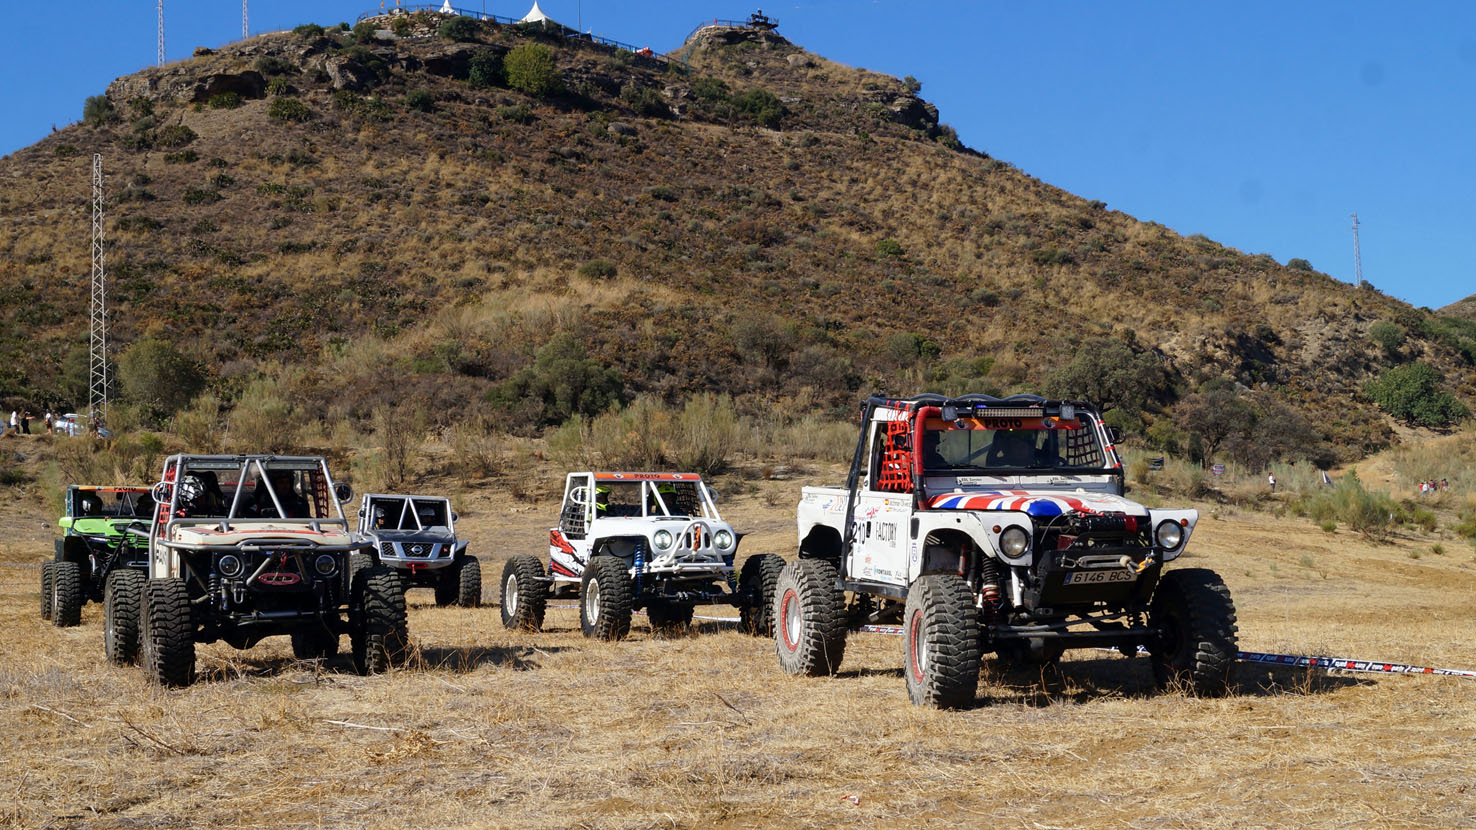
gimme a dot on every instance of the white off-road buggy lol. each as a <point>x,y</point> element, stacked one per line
<point>627,541</point>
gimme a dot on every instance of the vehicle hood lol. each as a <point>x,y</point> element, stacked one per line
<point>1038,503</point>
<point>99,527</point>
<point>285,532</point>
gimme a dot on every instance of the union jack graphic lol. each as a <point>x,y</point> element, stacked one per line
<point>1034,504</point>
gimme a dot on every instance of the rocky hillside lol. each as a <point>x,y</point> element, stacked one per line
<point>436,214</point>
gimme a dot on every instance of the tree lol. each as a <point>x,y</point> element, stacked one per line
<point>98,110</point>
<point>1212,417</point>
<point>531,68</point>
<point>1387,334</point>
<point>158,377</point>
<point>459,28</point>
<point>1412,394</point>
<point>1107,372</point>
<point>485,69</point>
<point>561,382</point>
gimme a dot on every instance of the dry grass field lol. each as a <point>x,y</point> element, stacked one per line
<point>491,728</point>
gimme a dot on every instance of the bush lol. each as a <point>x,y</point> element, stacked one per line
<point>278,87</point>
<point>562,382</point>
<point>289,109</point>
<point>912,85</point>
<point>308,30</point>
<point>711,90</point>
<point>272,65</point>
<point>889,247</point>
<point>1412,394</point>
<point>400,26</point>
<point>645,101</point>
<point>761,106</point>
<point>154,374</point>
<point>907,348</point>
<point>1107,372</point>
<point>648,434</point>
<point>485,70</point>
<point>182,157</point>
<point>517,114</point>
<point>421,100</point>
<point>1297,264</point>
<point>459,28</point>
<point>366,32</point>
<point>263,421</point>
<point>225,101</point>
<point>98,111</point>
<point>196,196</point>
<point>1388,335</point>
<point>220,180</point>
<point>531,68</point>
<point>174,135</point>
<point>597,269</point>
<point>1365,512</point>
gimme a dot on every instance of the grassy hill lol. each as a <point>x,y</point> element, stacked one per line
<point>338,223</point>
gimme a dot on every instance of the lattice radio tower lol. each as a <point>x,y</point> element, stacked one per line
<point>160,6</point>
<point>245,24</point>
<point>1357,255</point>
<point>97,385</point>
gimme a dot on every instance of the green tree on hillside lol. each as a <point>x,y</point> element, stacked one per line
<point>1106,371</point>
<point>531,68</point>
<point>562,382</point>
<point>1412,394</point>
<point>158,376</point>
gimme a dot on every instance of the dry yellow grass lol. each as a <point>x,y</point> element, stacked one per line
<point>491,728</point>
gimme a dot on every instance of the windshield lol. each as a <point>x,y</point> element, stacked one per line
<point>650,498</point>
<point>1028,444</point>
<point>288,490</point>
<point>108,503</point>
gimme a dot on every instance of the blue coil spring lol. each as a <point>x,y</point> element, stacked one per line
<point>732,574</point>
<point>640,564</point>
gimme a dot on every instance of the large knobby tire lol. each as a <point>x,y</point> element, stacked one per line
<point>940,642</point>
<point>524,593</point>
<point>1196,644</point>
<point>314,644</point>
<point>121,617</point>
<point>66,594</point>
<point>809,618</point>
<point>47,570</point>
<point>605,599</point>
<point>461,584</point>
<point>380,632</point>
<point>668,619</point>
<point>756,582</point>
<point>167,638</point>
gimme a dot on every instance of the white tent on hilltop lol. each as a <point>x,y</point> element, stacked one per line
<point>446,8</point>
<point>536,15</point>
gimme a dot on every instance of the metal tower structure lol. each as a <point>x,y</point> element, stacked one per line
<point>1357,255</point>
<point>245,21</point>
<point>97,385</point>
<point>160,5</point>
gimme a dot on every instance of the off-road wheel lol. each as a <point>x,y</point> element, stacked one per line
<point>1196,644</point>
<point>121,617</point>
<point>167,636</point>
<point>809,618</point>
<point>668,618</point>
<point>314,644</point>
<point>524,593</point>
<point>379,631</point>
<point>47,571</point>
<point>66,594</point>
<point>940,642</point>
<point>461,584</point>
<point>358,561</point>
<point>605,598</point>
<point>756,581</point>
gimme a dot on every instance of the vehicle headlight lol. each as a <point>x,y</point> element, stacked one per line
<point>326,564</point>
<point>1014,541</point>
<point>662,539</point>
<point>230,565</point>
<point>1169,535</point>
<point>723,540</point>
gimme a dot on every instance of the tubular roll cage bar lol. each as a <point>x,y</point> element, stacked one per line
<point>974,403</point>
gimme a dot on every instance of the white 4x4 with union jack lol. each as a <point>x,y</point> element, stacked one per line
<point>995,524</point>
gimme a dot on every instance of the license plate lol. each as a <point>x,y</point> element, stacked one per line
<point>1098,577</point>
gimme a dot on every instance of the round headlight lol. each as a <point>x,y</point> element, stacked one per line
<point>1014,541</point>
<point>230,565</point>
<point>1169,535</point>
<point>722,539</point>
<point>662,539</point>
<point>325,564</point>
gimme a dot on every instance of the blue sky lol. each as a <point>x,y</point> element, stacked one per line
<point>1262,125</point>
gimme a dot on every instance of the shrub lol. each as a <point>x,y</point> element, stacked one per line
<point>912,85</point>
<point>174,135</point>
<point>1412,393</point>
<point>64,151</point>
<point>289,109</point>
<point>645,101</point>
<point>401,26</point>
<point>156,375</point>
<point>985,296</point>
<point>225,101</point>
<point>1106,371</point>
<point>278,87</point>
<point>907,348</point>
<point>1297,264</point>
<point>485,69</point>
<point>1366,512</point>
<point>761,106</point>
<point>459,28</point>
<point>272,65</point>
<point>308,30</point>
<point>597,269</point>
<point>889,247</point>
<point>400,430</point>
<point>366,32</point>
<point>196,196</point>
<point>263,419</point>
<point>711,90</point>
<point>531,68</point>
<point>182,157</point>
<point>517,114</point>
<point>562,382</point>
<point>220,180</point>
<point>98,110</point>
<point>1387,334</point>
<point>421,100</point>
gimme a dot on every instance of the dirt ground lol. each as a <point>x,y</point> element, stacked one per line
<point>491,728</point>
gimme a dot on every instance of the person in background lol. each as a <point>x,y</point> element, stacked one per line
<point>15,422</point>
<point>1271,478</point>
<point>49,423</point>
<point>26,422</point>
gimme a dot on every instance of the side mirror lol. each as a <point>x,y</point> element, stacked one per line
<point>711,494</point>
<point>1114,435</point>
<point>343,492</point>
<point>361,512</point>
<point>455,518</point>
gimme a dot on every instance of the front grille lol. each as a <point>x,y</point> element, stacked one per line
<point>387,549</point>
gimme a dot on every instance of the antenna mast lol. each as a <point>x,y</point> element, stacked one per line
<point>245,26</point>
<point>1357,255</point>
<point>97,384</point>
<point>160,5</point>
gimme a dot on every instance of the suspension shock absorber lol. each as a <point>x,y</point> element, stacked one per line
<point>989,579</point>
<point>640,563</point>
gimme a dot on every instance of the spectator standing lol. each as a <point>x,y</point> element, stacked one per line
<point>26,422</point>
<point>15,421</point>
<point>50,422</point>
<point>1271,479</point>
<point>1444,485</point>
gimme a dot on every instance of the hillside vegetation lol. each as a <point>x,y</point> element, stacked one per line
<point>472,218</point>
